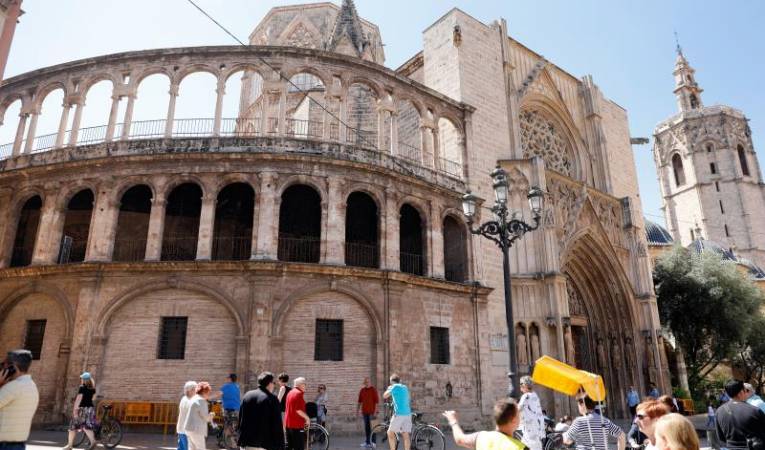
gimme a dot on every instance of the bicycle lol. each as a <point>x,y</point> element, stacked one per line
<point>227,434</point>
<point>318,436</point>
<point>424,436</point>
<point>108,430</point>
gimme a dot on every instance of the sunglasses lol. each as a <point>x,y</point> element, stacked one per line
<point>640,416</point>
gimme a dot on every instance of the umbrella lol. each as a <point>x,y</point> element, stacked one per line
<point>561,377</point>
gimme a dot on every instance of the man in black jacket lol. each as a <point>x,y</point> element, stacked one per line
<point>736,420</point>
<point>260,417</point>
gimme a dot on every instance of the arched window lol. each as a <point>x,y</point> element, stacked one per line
<point>232,234</point>
<point>455,250</point>
<point>305,95</point>
<point>361,235</point>
<point>179,240</point>
<point>133,224</point>
<point>742,160</point>
<point>677,169</point>
<point>411,241</point>
<point>362,116</point>
<point>26,232</point>
<point>300,225</point>
<point>76,227</point>
<point>694,101</point>
<point>710,147</point>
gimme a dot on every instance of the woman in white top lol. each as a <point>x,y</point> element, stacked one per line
<point>532,417</point>
<point>198,418</point>
<point>189,390</point>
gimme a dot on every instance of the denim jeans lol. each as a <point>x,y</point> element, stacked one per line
<point>183,442</point>
<point>368,428</point>
<point>13,446</point>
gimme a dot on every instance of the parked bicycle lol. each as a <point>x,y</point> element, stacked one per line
<point>108,430</point>
<point>225,428</point>
<point>424,436</point>
<point>318,436</point>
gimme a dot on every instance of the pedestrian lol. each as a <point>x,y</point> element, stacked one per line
<point>507,417</point>
<point>321,404</point>
<point>18,400</point>
<point>230,395</point>
<point>199,416</point>
<point>589,431</point>
<point>669,402</point>
<point>648,413</point>
<point>653,391</point>
<point>563,425</point>
<point>724,397</point>
<point>401,422</point>
<point>367,408</point>
<point>84,411</point>
<point>754,399</point>
<point>189,389</point>
<point>675,432</point>
<point>710,416</point>
<point>532,418</point>
<point>284,389</point>
<point>633,398</point>
<point>296,420</point>
<point>738,423</point>
<point>260,417</point>
<point>635,438</point>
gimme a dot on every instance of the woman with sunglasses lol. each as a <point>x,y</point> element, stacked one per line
<point>648,413</point>
<point>321,403</point>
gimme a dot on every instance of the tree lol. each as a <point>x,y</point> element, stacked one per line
<point>751,356</point>
<point>708,306</point>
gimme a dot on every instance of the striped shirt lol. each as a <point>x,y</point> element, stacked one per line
<point>18,402</point>
<point>590,432</point>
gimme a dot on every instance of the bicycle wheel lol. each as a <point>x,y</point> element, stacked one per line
<point>111,433</point>
<point>428,438</point>
<point>318,437</point>
<point>380,435</point>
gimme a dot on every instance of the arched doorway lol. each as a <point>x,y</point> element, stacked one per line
<point>455,250</point>
<point>361,231</point>
<point>179,241</point>
<point>411,241</point>
<point>74,242</point>
<point>603,327</point>
<point>26,232</point>
<point>300,224</point>
<point>232,234</point>
<point>133,224</point>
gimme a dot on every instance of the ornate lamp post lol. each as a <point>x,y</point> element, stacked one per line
<point>504,233</point>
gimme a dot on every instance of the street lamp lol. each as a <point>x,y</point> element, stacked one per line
<point>504,233</point>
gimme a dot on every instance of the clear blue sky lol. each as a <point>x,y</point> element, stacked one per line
<point>628,47</point>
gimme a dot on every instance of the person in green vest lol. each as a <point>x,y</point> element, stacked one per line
<point>507,417</point>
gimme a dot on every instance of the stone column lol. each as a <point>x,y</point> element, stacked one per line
<point>128,116</point>
<point>206,224</point>
<point>112,118</point>
<point>220,91</point>
<point>267,236</point>
<point>335,237</point>
<point>156,228</point>
<point>8,225</point>
<point>426,143</point>
<point>282,125</point>
<point>342,128</point>
<point>171,111</point>
<point>17,141</point>
<point>391,259</point>
<point>434,134</point>
<point>76,123</point>
<point>62,124</point>
<point>49,232</point>
<point>436,234</point>
<point>393,132</point>
<point>30,143</point>
<point>381,113</point>
<point>102,227</point>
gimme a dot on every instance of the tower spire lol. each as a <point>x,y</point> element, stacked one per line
<point>687,91</point>
<point>347,34</point>
<point>678,48</point>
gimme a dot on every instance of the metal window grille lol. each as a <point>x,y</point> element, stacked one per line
<point>439,345</point>
<point>329,340</point>
<point>172,338</point>
<point>34,338</point>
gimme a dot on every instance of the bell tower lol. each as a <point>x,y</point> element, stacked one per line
<point>687,90</point>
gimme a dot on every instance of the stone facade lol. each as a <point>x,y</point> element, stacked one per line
<point>115,251</point>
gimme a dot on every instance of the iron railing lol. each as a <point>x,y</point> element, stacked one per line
<point>72,250</point>
<point>359,254</point>
<point>129,250</point>
<point>232,248</point>
<point>413,263</point>
<point>299,249</point>
<point>179,248</point>
<point>409,152</point>
<point>450,167</point>
<point>455,271</point>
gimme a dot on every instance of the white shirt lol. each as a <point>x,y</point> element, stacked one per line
<point>198,416</point>
<point>532,419</point>
<point>18,403</point>
<point>183,413</point>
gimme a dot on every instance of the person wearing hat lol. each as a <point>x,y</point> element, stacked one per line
<point>84,411</point>
<point>532,418</point>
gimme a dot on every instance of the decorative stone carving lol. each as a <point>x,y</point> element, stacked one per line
<point>568,339</point>
<point>521,347</point>
<point>540,136</point>
<point>575,302</point>
<point>601,350</point>
<point>616,354</point>
<point>535,346</point>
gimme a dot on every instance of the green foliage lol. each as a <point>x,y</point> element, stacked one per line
<point>751,355</point>
<point>707,304</point>
<point>679,392</point>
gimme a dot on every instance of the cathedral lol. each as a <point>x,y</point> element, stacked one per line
<point>320,232</point>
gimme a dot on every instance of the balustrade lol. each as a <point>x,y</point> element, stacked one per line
<point>362,255</point>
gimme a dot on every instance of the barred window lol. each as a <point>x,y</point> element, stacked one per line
<point>172,338</point>
<point>439,345</point>
<point>33,340</point>
<point>329,340</point>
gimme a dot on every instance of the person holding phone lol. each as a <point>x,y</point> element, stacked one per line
<point>18,400</point>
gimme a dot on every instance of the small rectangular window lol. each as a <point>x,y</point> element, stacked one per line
<point>717,186</point>
<point>33,340</point>
<point>439,345</point>
<point>712,168</point>
<point>722,210</point>
<point>726,231</point>
<point>328,345</point>
<point>172,338</point>
<point>693,235</point>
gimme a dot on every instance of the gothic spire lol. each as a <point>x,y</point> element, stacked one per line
<point>687,91</point>
<point>347,31</point>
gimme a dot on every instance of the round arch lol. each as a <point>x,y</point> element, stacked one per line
<point>57,295</point>
<point>307,180</point>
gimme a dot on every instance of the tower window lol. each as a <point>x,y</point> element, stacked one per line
<point>439,345</point>
<point>694,101</point>
<point>172,338</point>
<point>722,210</point>
<point>709,148</point>
<point>693,235</point>
<point>34,337</point>
<point>677,169</point>
<point>742,161</point>
<point>717,186</point>
<point>328,343</point>
<point>727,234</point>
<point>713,168</point>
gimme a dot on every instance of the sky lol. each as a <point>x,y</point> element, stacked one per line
<point>627,46</point>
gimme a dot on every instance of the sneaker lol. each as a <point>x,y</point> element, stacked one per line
<point>364,445</point>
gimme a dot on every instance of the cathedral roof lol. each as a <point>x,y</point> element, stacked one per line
<point>657,234</point>
<point>702,245</point>
<point>754,270</point>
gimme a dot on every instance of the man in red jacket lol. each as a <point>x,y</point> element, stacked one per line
<point>367,408</point>
<point>296,420</point>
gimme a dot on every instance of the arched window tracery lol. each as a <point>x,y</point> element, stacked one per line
<point>541,136</point>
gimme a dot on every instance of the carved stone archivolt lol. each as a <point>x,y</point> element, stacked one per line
<point>541,136</point>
